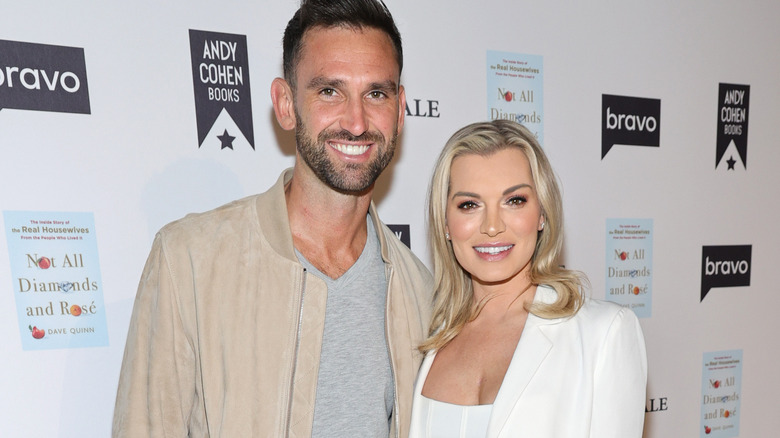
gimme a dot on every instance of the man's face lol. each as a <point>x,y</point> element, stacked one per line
<point>349,107</point>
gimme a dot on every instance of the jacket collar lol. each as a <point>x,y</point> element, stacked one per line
<point>271,212</point>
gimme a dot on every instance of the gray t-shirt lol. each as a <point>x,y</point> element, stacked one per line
<point>355,389</point>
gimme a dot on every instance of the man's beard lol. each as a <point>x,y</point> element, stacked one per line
<point>350,177</point>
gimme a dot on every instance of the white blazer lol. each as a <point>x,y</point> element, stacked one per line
<point>583,376</point>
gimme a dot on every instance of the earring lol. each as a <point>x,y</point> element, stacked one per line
<point>447,235</point>
<point>541,228</point>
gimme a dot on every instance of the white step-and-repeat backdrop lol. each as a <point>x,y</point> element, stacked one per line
<point>660,120</point>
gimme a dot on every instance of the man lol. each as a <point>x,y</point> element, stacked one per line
<point>295,312</point>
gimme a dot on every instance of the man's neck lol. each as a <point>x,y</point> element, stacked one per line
<point>328,227</point>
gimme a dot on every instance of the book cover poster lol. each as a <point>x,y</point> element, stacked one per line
<point>721,390</point>
<point>56,279</point>
<point>514,90</point>
<point>629,263</point>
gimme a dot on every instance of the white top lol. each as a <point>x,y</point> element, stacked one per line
<point>446,420</point>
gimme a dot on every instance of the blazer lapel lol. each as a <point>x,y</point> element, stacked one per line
<point>530,353</point>
<point>417,413</point>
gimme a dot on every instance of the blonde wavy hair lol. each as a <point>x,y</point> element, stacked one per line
<point>453,294</point>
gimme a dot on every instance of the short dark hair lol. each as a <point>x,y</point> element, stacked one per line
<point>356,14</point>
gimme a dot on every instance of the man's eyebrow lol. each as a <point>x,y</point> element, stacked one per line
<point>389,86</point>
<point>323,82</point>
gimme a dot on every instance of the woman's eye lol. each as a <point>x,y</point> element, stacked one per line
<point>517,200</point>
<point>467,205</point>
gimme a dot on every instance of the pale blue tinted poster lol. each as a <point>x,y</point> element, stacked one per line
<point>515,89</point>
<point>56,279</point>
<point>629,262</point>
<point>721,388</point>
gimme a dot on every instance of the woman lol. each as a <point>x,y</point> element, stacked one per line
<point>515,349</point>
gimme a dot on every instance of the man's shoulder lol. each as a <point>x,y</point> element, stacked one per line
<point>226,218</point>
<point>240,213</point>
<point>401,255</point>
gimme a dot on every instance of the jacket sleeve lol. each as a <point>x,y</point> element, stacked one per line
<point>620,380</point>
<point>157,380</point>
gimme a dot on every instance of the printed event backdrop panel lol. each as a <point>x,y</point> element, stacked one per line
<point>141,134</point>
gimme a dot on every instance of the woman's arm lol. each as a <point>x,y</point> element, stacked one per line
<point>620,380</point>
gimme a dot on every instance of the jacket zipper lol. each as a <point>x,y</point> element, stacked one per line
<point>295,355</point>
<point>390,354</point>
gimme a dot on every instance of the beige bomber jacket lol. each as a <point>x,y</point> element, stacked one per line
<point>226,330</point>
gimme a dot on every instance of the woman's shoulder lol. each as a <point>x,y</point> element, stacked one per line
<point>593,311</point>
<point>605,316</point>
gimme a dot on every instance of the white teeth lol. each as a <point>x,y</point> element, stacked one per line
<point>348,149</point>
<point>492,249</point>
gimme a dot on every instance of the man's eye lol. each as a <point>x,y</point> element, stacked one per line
<point>377,94</point>
<point>328,91</point>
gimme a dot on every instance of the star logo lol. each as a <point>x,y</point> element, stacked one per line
<point>731,161</point>
<point>227,140</point>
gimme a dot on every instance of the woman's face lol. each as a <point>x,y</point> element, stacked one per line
<point>493,216</point>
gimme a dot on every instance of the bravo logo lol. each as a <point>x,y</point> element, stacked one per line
<point>632,121</point>
<point>41,77</point>
<point>725,266</point>
<point>402,233</point>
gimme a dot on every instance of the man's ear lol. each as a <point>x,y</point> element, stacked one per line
<point>401,107</point>
<point>283,100</point>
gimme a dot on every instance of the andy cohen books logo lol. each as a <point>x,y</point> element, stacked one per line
<point>631,121</point>
<point>220,76</point>
<point>733,105</point>
<point>42,77</point>
<point>725,266</point>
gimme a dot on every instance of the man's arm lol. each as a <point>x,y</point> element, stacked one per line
<point>157,380</point>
